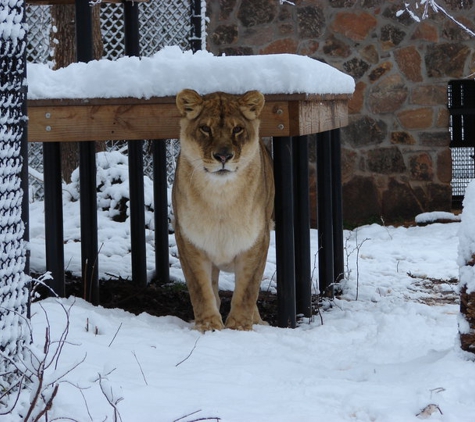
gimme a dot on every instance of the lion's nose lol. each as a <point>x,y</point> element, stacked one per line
<point>223,156</point>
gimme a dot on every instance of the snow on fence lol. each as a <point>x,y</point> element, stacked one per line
<point>13,291</point>
<point>467,271</point>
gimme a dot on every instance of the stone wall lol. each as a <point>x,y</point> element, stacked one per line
<point>396,159</point>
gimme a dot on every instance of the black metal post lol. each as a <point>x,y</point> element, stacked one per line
<point>303,282</point>
<point>135,152</point>
<point>131,28</point>
<point>284,231</point>
<point>84,42</point>
<point>54,238</point>
<point>195,35</point>
<point>87,169</point>
<point>25,205</point>
<point>325,215</point>
<point>337,207</point>
<point>160,198</point>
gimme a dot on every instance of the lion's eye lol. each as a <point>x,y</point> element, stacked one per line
<point>205,129</point>
<point>237,129</point>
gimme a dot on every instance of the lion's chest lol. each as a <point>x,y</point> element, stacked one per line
<point>222,229</point>
<point>221,238</point>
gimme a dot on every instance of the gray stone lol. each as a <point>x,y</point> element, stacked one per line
<point>364,132</point>
<point>400,202</point>
<point>388,95</point>
<point>225,34</point>
<point>392,35</point>
<point>226,8</point>
<point>342,3</point>
<point>459,4</point>
<point>439,197</point>
<point>392,13</point>
<point>421,167</point>
<point>252,13</point>
<point>311,22</point>
<point>388,160</point>
<point>435,139</point>
<point>361,203</point>
<point>446,60</point>
<point>356,67</point>
<point>335,47</point>
<point>236,51</point>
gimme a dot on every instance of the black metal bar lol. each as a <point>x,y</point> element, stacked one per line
<point>25,206</point>
<point>137,212</point>
<point>160,197</point>
<point>84,49</point>
<point>135,153</point>
<point>325,215</point>
<point>54,238</point>
<point>131,28</point>
<point>195,33</point>
<point>87,170</point>
<point>88,208</point>
<point>337,207</point>
<point>284,231</point>
<point>303,282</point>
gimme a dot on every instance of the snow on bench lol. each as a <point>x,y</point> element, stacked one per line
<point>171,70</point>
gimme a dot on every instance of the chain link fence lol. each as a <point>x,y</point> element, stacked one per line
<point>463,169</point>
<point>14,336</point>
<point>161,24</point>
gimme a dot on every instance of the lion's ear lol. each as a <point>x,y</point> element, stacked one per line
<point>251,104</point>
<point>189,103</point>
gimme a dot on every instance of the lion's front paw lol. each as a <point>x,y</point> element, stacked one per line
<point>241,323</point>
<point>211,323</point>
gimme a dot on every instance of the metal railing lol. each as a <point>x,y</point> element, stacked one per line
<point>124,24</point>
<point>160,24</point>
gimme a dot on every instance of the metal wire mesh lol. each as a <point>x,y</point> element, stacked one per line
<point>13,291</point>
<point>463,169</point>
<point>161,24</point>
<point>39,27</point>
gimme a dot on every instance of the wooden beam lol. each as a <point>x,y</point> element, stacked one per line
<point>130,119</point>
<point>317,116</point>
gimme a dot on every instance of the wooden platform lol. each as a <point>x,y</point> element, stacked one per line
<point>158,118</point>
<point>286,118</point>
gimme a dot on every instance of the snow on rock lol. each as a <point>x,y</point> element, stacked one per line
<point>466,250</point>
<point>436,216</point>
<point>171,70</point>
<point>466,260</point>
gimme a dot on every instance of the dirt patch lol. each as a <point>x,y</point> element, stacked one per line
<point>161,300</point>
<point>436,291</point>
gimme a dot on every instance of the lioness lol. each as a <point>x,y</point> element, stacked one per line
<point>223,199</point>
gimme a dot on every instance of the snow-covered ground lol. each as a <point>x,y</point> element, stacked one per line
<point>384,351</point>
<point>383,357</point>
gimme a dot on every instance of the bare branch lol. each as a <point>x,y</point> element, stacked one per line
<point>115,335</point>
<point>189,354</point>
<point>140,366</point>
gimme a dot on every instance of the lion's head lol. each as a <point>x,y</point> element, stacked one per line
<point>219,132</point>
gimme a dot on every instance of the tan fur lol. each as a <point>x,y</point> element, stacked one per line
<point>223,199</point>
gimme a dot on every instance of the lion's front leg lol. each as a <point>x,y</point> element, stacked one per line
<point>197,269</point>
<point>249,269</point>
